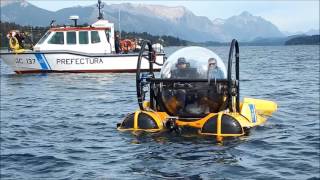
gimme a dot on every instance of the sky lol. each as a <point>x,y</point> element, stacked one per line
<point>290,16</point>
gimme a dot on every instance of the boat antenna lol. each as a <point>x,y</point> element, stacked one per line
<point>119,19</point>
<point>100,6</point>
<point>52,23</point>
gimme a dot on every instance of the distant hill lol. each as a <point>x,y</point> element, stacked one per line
<point>154,19</point>
<point>310,32</point>
<point>272,41</point>
<point>304,40</point>
<point>247,27</point>
<point>36,32</point>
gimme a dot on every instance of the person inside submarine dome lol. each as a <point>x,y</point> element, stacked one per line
<point>192,99</point>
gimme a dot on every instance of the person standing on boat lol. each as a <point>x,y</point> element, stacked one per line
<point>117,43</point>
<point>214,72</point>
<point>20,38</point>
<point>9,36</point>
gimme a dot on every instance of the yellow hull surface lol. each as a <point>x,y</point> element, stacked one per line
<point>222,124</point>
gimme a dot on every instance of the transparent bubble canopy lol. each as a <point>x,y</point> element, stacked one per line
<point>195,63</point>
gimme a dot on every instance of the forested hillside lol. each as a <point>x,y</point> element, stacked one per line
<point>304,40</point>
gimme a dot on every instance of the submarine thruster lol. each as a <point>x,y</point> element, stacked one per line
<point>194,90</point>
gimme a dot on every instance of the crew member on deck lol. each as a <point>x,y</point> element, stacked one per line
<point>20,37</point>
<point>117,43</point>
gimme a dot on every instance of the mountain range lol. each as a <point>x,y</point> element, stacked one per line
<point>154,19</point>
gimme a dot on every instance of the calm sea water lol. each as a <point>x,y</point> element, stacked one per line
<point>63,126</point>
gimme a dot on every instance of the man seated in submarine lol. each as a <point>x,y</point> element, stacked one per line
<point>183,70</point>
<point>181,94</point>
<point>214,72</point>
<point>194,98</point>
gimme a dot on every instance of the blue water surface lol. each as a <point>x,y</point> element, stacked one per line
<point>63,126</point>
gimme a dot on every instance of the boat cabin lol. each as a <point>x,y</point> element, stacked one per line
<point>97,38</point>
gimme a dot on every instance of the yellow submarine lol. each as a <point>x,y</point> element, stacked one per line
<point>195,90</point>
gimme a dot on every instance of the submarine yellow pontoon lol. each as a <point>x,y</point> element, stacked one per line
<point>194,91</point>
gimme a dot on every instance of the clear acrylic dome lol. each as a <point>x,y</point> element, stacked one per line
<point>192,99</point>
<point>196,60</point>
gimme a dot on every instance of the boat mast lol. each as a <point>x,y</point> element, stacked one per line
<point>100,6</point>
<point>119,23</point>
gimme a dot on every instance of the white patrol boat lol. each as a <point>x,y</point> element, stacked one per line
<point>76,49</point>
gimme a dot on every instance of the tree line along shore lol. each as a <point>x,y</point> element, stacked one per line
<point>34,33</point>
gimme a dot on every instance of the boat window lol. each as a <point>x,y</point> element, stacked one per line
<point>57,38</point>
<point>44,37</point>
<point>95,37</point>
<point>83,37</point>
<point>71,38</point>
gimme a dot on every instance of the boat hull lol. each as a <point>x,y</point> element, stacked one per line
<point>253,112</point>
<point>75,62</point>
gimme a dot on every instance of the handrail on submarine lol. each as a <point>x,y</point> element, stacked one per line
<point>234,46</point>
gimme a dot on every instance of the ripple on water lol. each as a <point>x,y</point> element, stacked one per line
<point>40,165</point>
<point>63,126</point>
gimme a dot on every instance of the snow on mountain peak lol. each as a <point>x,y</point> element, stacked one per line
<point>23,3</point>
<point>246,17</point>
<point>218,21</point>
<point>171,13</point>
<point>161,11</point>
